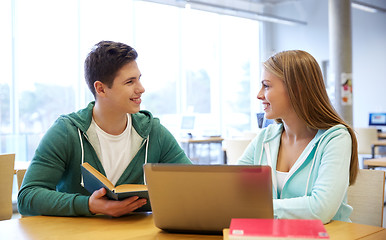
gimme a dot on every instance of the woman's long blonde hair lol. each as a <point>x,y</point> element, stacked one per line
<point>304,82</point>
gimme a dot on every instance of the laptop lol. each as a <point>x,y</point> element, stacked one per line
<point>204,198</point>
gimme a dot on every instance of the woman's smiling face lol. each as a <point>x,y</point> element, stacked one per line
<point>274,96</point>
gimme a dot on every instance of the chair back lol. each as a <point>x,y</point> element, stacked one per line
<point>366,196</point>
<point>234,148</point>
<point>7,162</point>
<point>249,134</point>
<point>365,137</point>
<point>20,175</point>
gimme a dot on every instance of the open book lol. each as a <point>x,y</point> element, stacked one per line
<point>94,180</point>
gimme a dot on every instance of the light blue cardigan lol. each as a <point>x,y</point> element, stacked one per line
<point>316,187</point>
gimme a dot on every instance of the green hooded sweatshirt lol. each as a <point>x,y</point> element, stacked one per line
<point>52,183</point>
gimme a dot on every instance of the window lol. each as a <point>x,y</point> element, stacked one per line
<point>240,76</point>
<point>157,40</point>
<point>198,63</point>
<point>45,68</point>
<point>192,62</point>
<point>6,70</point>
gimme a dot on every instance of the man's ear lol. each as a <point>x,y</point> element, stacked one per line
<point>99,88</point>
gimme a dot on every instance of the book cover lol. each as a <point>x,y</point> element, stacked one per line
<point>94,180</point>
<point>253,228</point>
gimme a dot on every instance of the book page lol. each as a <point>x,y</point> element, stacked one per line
<point>98,175</point>
<point>130,188</point>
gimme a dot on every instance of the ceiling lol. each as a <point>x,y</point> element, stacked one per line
<point>377,3</point>
<point>259,9</point>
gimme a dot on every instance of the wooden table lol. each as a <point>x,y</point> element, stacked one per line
<point>202,140</point>
<point>342,230</point>
<point>381,135</point>
<point>375,144</point>
<point>138,226</point>
<point>375,162</point>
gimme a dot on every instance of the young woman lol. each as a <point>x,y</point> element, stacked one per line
<point>312,151</point>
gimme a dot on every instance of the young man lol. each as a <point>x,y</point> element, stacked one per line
<point>111,134</point>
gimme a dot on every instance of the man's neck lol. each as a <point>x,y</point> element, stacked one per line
<point>108,120</point>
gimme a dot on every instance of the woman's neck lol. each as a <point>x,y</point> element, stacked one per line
<point>297,130</point>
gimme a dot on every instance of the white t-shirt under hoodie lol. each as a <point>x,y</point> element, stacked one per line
<point>115,150</point>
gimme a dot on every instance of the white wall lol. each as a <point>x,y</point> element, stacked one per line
<point>369,49</point>
<point>369,64</point>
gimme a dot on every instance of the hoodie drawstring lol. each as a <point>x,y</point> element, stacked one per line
<point>312,166</point>
<point>261,156</point>
<point>82,160</point>
<point>147,147</point>
<point>269,161</point>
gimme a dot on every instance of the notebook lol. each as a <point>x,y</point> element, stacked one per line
<point>204,198</point>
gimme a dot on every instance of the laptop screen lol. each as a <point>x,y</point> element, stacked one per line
<point>204,198</point>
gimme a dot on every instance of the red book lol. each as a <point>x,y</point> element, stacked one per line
<point>254,228</point>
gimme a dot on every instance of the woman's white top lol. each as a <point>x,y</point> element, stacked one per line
<point>281,177</point>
